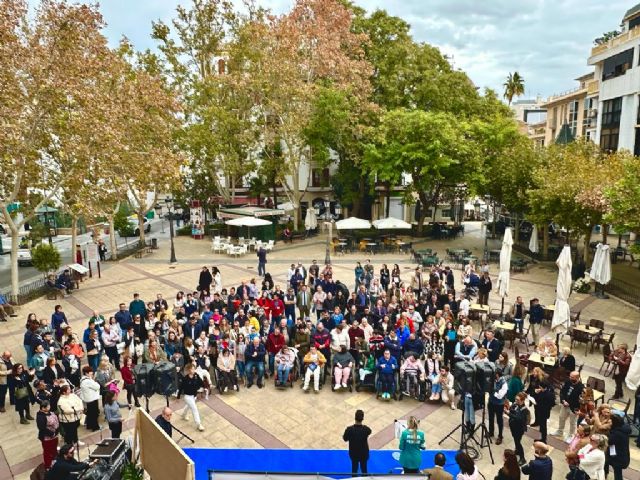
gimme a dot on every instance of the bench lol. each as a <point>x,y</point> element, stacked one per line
<point>140,252</point>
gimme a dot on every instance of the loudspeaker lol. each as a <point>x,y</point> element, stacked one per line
<point>144,379</point>
<point>165,378</point>
<point>485,377</point>
<point>464,374</point>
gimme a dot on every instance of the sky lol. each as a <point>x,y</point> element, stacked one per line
<point>546,41</point>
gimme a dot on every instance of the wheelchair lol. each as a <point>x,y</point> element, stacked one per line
<point>394,386</point>
<point>303,372</point>
<point>418,389</point>
<point>222,382</point>
<point>350,382</point>
<point>293,376</point>
<point>369,380</point>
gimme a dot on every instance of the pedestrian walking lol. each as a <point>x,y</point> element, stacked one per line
<point>357,435</point>
<point>262,261</point>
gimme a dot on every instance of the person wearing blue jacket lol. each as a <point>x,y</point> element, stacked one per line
<point>541,467</point>
<point>392,343</point>
<point>387,367</point>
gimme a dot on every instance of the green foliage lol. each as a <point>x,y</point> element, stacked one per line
<point>38,231</point>
<point>513,87</point>
<point>131,471</point>
<point>606,37</point>
<point>46,258</point>
<point>121,222</point>
<point>624,196</point>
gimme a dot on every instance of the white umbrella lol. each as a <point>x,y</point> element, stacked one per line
<point>287,207</point>
<point>533,241</point>
<point>391,223</point>
<point>633,375</point>
<point>601,266</point>
<point>248,222</point>
<point>562,312</point>
<point>310,221</point>
<point>505,266</point>
<point>353,223</point>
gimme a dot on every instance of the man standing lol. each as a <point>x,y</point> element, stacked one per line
<point>517,313</point>
<point>484,288</point>
<point>416,282</point>
<point>304,302</point>
<point>6,365</point>
<point>262,261</point>
<point>492,345</point>
<point>314,272</point>
<point>137,306</point>
<point>622,360</point>
<point>536,315</point>
<point>357,435</point>
<point>569,404</point>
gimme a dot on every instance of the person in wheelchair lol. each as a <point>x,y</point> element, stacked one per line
<point>367,366</point>
<point>284,359</point>
<point>226,365</point>
<point>343,363</point>
<point>412,373</point>
<point>387,367</point>
<point>314,361</point>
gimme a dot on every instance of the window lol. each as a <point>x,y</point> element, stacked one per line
<point>609,139</point>
<point>573,116</point>
<point>634,22</point>
<point>611,110</point>
<point>617,65</point>
<point>320,177</point>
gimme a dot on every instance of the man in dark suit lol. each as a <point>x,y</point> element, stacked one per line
<point>438,472</point>
<point>569,404</point>
<point>357,435</point>
<point>492,345</point>
<point>192,329</point>
<point>303,302</point>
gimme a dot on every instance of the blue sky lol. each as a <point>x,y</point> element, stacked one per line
<point>547,41</point>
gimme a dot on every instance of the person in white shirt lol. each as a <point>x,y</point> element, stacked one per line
<point>465,305</point>
<point>90,394</point>
<point>339,337</point>
<point>592,456</point>
<point>110,339</point>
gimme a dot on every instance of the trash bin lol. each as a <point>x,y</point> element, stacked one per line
<point>154,243</point>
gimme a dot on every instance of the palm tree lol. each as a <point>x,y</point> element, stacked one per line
<point>513,87</point>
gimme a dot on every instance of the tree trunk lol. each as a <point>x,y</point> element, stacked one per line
<point>275,192</point>
<point>587,241</point>
<point>545,240</point>
<point>15,275</point>
<point>141,227</point>
<point>74,237</point>
<point>423,215</point>
<point>388,200</point>
<point>112,238</point>
<point>516,234</point>
<point>493,221</point>
<point>605,233</point>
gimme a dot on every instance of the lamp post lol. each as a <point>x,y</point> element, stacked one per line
<point>486,228</point>
<point>158,209</point>
<point>169,202</point>
<point>328,218</point>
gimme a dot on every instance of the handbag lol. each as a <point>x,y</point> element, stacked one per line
<point>21,392</point>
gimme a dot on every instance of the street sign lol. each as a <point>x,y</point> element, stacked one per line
<point>92,253</point>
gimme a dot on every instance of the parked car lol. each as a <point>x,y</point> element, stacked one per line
<point>24,258</point>
<point>136,228</point>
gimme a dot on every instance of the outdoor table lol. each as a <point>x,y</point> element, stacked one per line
<point>504,325</point>
<point>547,361</point>
<point>590,331</point>
<point>476,311</point>
<point>342,246</point>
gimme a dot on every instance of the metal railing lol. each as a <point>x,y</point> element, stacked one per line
<point>624,290</point>
<point>27,292</point>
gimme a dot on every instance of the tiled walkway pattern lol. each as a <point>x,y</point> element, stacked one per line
<point>273,418</point>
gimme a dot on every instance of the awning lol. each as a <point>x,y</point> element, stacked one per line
<point>249,211</point>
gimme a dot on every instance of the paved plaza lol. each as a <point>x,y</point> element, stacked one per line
<point>288,418</point>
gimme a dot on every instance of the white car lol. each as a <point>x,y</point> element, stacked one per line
<point>24,258</point>
<point>136,229</point>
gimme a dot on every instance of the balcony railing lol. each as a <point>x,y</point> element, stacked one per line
<point>614,42</point>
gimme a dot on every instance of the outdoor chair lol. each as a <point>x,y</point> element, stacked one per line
<point>604,339</point>
<point>597,324</point>
<point>580,337</point>
<point>574,317</point>
<point>269,246</point>
<point>606,352</point>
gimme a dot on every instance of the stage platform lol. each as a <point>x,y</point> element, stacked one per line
<point>255,463</point>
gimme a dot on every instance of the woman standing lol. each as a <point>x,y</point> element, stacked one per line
<point>216,284</point>
<point>359,275</point>
<point>504,366</point>
<point>129,381</point>
<point>468,470</point>
<point>70,408</point>
<point>90,394</point>
<point>510,470</point>
<point>618,452</point>
<point>48,426</point>
<point>411,446</point>
<point>395,276</point>
<point>189,386</point>
<point>385,277</point>
<point>450,341</point>
<point>592,457</point>
<point>112,414</point>
<point>515,384</point>
<point>22,391</point>
<point>94,350</point>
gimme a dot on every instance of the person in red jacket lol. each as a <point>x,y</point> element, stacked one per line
<point>265,302</point>
<point>275,342</point>
<point>277,308</point>
<point>322,340</point>
<point>622,359</point>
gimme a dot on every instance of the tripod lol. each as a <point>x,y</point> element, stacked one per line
<point>466,434</point>
<point>484,433</point>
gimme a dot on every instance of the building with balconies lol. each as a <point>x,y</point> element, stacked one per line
<point>616,64</point>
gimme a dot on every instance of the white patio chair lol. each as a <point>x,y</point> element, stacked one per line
<point>269,246</point>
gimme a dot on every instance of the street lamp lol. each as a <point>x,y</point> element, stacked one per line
<point>158,209</point>
<point>169,202</point>
<point>487,199</point>
<point>328,218</point>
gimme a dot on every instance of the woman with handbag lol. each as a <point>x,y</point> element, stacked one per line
<point>48,426</point>
<point>90,394</point>
<point>22,391</point>
<point>70,409</point>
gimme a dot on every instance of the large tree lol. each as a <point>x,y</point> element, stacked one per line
<point>624,196</point>
<point>433,148</point>
<point>49,61</point>
<point>513,86</point>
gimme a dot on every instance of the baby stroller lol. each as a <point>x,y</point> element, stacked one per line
<point>366,372</point>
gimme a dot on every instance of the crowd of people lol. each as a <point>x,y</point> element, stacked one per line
<point>398,337</point>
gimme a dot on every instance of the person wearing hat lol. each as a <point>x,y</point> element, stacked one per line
<point>541,467</point>
<point>357,435</point>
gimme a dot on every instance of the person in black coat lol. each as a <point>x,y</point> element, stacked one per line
<point>518,423</point>
<point>357,435</point>
<point>618,443</point>
<point>66,466</point>
<point>545,400</point>
<point>541,467</point>
<point>20,380</point>
<point>567,360</point>
<point>164,420</point>
<point>569,403</point>
<point>205,280</point>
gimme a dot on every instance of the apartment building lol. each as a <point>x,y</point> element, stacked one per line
<point>616,65</point>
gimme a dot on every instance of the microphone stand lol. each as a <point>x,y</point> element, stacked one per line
<point>183,435</point>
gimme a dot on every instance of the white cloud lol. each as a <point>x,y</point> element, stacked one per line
<point>548,42</point>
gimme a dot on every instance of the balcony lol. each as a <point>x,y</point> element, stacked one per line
<point>614,42</point>
<point>593,87</point>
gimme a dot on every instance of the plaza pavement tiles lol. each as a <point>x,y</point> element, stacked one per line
<point>289,418</point>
